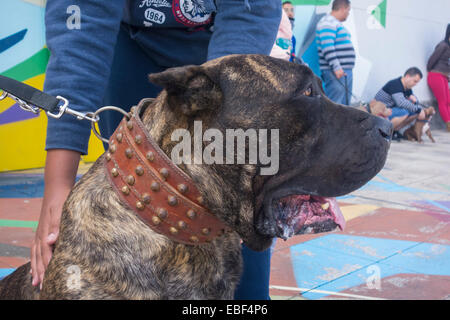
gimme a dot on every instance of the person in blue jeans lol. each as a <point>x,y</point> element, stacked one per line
<point>106,60</point>
<point>336,53</point>
<point>397,95</point>
<point>338,88</point>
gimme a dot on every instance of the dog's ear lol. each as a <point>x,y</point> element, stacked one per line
<point>432,111</point>
<point>190,88</point>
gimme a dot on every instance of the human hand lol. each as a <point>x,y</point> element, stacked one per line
<point>421,115</point>
<point>46,235</point>
<point>60,172</point>
<point>339,73</point>
<point>413,99</point>
<point>388,112</point>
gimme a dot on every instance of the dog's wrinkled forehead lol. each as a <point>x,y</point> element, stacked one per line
<point>236,87</point>
<point>249,74</point>
<point>268,75</point>
<point>274,76</point>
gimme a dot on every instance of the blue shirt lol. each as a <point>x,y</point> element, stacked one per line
<point>173,33</point>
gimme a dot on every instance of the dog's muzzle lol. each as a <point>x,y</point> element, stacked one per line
<point>159,192</point>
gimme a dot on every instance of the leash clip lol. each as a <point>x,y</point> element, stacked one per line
<point>50,102</point>
<point>65,109</point>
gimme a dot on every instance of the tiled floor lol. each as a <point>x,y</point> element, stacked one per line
<point>396,244</point>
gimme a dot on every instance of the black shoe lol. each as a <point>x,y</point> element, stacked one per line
<point>397,136</point>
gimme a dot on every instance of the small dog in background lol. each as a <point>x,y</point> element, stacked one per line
<point>376,108</point>
<point>421,127</point>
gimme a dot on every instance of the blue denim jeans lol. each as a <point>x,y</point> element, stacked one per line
<point>127,85</point>
<point>400,112</point>
<point>335,88</point>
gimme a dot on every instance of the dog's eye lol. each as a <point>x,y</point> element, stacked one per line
<point>307,92</point>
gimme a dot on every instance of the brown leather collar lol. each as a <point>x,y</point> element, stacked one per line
<point>158,191</point>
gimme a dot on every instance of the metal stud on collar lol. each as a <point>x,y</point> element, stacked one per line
<point>114,172</point>
<point>150,156</point>
<point>191,214</point>
<point>125,190</point>
<point>182,188</point>
<point>164,173</point>
<point>155,186</point>
<point>138,139</point>
<point>129,153</point>
<point>139,170</point>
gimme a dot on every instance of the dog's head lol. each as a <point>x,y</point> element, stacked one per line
<point>378,109</point>
<point>309,149</point>
<point>429,111</point>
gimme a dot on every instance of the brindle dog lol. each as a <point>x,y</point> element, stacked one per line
<point>420,127</point>
<point>325,150</point>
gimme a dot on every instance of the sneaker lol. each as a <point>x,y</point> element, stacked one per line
<point>397,136</point>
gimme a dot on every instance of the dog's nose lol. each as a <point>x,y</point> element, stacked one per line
<point>385,128</point>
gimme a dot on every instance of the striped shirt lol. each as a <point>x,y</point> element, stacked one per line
<point>334,45</point>
<point>393,94</point>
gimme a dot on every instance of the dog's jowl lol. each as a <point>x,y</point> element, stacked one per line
<point>179,237</point>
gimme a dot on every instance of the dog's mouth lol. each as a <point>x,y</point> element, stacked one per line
<point>299,214</point>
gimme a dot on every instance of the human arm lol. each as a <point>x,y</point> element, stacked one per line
<point>244,30</point>
<point>413,99</point>
<point>403,102</point>
<point>326,36</point>
<point>78,70</point>
<point>59,177</point>
<point>434,58</point>
<point>79,65</point>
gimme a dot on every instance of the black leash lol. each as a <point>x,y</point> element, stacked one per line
<point>28,94</point>
<point>347,91</point>
<point>33,100</point>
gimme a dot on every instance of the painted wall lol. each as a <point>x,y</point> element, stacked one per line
<point>24,57</point>
<point>389,37</point>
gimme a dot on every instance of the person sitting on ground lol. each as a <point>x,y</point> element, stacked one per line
<point>397,94</point>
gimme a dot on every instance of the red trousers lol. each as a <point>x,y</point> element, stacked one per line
<point>439,85</point>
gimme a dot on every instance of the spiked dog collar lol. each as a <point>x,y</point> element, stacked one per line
<point>158,191</point>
